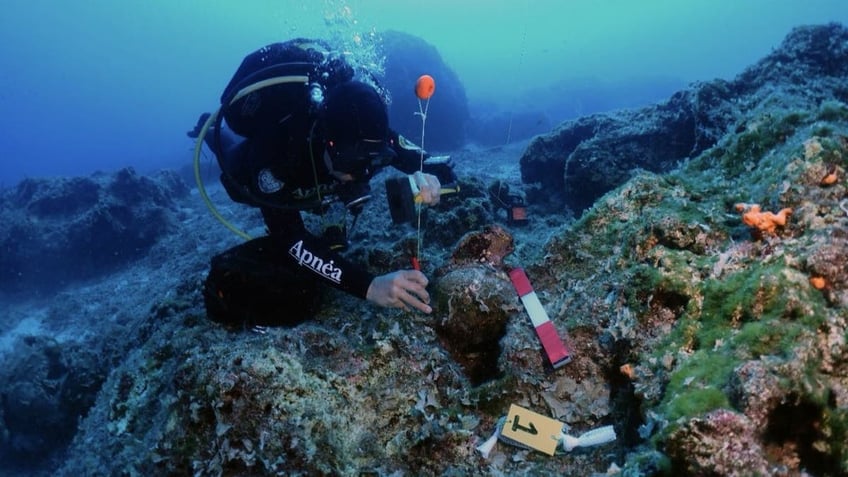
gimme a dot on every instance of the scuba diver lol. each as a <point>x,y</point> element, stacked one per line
<point>297,132</point>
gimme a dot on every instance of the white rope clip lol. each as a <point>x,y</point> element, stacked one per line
<point>598,436</point>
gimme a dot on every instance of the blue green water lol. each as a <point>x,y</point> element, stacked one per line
<point>101,84</point>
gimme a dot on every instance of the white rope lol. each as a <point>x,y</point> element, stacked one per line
<point>595,437</point>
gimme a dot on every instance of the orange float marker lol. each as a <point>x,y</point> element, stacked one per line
<point>425,87</point>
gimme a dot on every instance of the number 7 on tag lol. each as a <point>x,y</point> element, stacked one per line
<point>532,429</point>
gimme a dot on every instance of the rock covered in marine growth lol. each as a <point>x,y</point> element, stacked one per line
<point>585,158</point>
<point>487,247</point>
<point>721,443</point>
<point>64,229</point>
<point>47,387</point>
<point>474,299</point>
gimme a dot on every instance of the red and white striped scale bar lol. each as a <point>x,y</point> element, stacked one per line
<point>557,353</point>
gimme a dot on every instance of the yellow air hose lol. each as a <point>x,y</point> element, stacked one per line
<point>198,146</point>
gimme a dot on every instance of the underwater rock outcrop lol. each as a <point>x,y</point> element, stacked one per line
<point>717,332</point>
<point>61,230</point>
<point>587,157</point>
<point>46,388</point>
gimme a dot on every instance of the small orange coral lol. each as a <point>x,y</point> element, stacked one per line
<point>763,222</point>
<point>818,282</point>
<point>831,177</point>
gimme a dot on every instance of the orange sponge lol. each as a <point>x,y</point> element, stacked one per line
<point>764,222</point>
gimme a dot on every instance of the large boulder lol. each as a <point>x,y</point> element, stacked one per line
<point>64,229</point>
<point>585,158</point>
<point>47,387</point>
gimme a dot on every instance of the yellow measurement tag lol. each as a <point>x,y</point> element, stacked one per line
<point>532,429</point>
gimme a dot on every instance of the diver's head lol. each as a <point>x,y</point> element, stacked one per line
<point>356,128</point>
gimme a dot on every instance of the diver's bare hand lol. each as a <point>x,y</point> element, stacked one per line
<point>429,187</point>
<point>401,289</point>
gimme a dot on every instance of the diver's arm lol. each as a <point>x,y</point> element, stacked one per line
<point>303,249</point>
<point>400,289</point>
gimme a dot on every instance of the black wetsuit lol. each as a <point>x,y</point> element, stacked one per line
<point>277,173</point>
<point>291,169</point>
<point>269,145</point>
